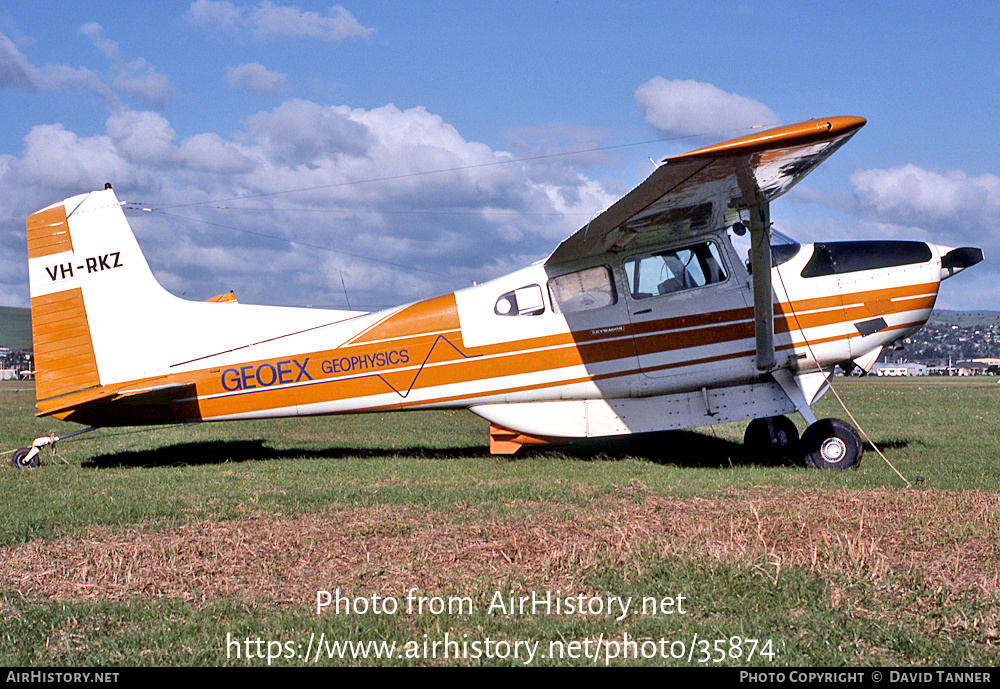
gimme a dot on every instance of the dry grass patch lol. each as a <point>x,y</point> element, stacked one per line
<point>945,541</point>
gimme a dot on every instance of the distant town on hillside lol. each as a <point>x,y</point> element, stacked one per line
<point>951,343</point>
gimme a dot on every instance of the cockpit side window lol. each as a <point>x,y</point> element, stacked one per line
<point>675,270</point>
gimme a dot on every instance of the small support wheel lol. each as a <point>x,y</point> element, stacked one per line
<point>773,434</point>
<point>26,458</point>
<point>831,444</point>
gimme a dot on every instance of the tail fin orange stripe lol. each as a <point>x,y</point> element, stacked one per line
<point>48,232</point>
<point>64,351</point>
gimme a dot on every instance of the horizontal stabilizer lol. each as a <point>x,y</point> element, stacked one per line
<point>109,407</point>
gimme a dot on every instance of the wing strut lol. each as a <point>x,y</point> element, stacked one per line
<point>760,265</point>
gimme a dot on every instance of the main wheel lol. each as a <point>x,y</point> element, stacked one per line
<point>831,444</point>
<point>24,459</point>
<point>773,434</point>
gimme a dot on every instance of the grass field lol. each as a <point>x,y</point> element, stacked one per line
<point>204,545</point>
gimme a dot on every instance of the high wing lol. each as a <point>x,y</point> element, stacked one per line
<point>694,193</point>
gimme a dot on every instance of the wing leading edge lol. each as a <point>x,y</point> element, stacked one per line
<point>695,193</point>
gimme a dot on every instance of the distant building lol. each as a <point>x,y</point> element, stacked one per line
<point>966,368</point>
<point>908,369</point>
<point>975,367</point>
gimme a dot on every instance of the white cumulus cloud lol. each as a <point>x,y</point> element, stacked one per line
<point>395,200</point>
<point>685,107</point>
<point>254,76</point>
<point>911,194</point>
<point>143,137</point>
<point>58,161</point>
<point>137,78</point>
<point>268,21</point>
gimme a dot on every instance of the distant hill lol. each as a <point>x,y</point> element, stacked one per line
<point>15,327</point>
<point>953,336</point>
<point>964,319</point>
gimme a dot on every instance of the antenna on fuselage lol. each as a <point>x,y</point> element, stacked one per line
<point>344,285</point>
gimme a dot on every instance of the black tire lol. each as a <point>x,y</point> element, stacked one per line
<point>831,444</point>
<point>772,435</point>
<point>20,459</point>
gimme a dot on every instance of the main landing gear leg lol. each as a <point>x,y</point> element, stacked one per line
<point>826,443</point>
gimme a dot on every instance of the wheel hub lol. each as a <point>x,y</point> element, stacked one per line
<point>833,450</point>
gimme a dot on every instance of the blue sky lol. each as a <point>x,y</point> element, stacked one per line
<point>181,103</point>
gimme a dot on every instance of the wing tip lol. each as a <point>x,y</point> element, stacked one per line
<point>797,134</point>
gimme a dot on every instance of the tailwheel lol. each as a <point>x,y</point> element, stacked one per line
<point>26,458</point>
<point>772,435</point>
<point>831,444</point>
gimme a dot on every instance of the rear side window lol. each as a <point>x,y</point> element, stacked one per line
<point>526,301</point>
<point>583,290</point>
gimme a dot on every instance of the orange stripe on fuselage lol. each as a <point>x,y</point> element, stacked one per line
<point>430,316</point>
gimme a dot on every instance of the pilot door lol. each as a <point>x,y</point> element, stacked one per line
<point>692,314</point>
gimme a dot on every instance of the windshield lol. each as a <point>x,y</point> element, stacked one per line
<point>781,238</point>
<point>783,247</point>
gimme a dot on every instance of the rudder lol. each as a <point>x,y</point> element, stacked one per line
<point>64,352</point>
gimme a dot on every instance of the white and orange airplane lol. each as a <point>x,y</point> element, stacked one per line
<point>644,320</point>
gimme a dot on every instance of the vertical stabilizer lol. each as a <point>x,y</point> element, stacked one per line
<point>84,268</point>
